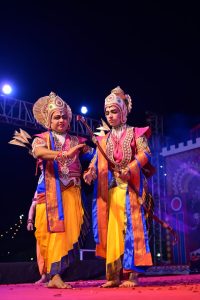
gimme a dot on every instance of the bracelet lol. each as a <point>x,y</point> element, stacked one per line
<point>64,156</point>
<point>59,155</point>
<point>29,221</point>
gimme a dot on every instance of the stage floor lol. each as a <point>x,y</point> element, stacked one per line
<point>157,288</point>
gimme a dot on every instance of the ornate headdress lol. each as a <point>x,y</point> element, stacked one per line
<point>121,100</point>
<point>45,106</point>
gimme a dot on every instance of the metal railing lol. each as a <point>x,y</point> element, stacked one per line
<point>19,113</point>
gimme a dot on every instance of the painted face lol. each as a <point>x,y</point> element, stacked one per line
<point>112,114</point>
<point>59,121</point>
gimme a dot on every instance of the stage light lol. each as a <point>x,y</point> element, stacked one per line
<point>7,89</point>
<point>84,110</point>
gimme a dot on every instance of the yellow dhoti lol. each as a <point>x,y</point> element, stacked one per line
<point>59,249</point>
<point>115,235</point>
<point>117,227</point>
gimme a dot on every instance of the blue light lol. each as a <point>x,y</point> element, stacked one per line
<point>6,89</point>
<point>84,110</point>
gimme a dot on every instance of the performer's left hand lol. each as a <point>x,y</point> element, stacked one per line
<point>89,175</point>
<point>73,151</point>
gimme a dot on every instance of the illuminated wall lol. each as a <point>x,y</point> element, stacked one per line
<point>182,164</point>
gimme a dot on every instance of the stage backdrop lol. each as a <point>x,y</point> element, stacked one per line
<point>182,164</point>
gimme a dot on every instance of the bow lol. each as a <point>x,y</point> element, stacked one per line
<point>114,167</point>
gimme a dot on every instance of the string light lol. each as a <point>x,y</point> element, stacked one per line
<point>13,230</point>
<point>11,236</point>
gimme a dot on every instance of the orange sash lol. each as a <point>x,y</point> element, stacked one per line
<point>55,223</point>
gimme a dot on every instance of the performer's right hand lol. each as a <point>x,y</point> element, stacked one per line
<point>124,174</point>
<point>29,226</point>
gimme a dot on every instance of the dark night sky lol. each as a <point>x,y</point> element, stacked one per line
<point>83,49</point>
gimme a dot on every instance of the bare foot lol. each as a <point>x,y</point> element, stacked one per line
<point>43,279</point>
<point>110,284</point>
<point>58,283</point>
<point>129,283</point>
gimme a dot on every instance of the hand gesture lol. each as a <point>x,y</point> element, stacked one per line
<point>86,149</point>
<point>89,175</point>
<point>30,227</point>
<point>123,174</point>
<point>73,151</point>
